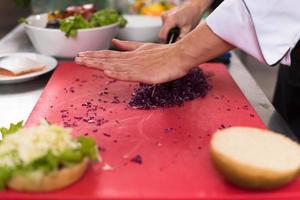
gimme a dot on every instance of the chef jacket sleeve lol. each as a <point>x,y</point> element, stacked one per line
<point>265,29</point>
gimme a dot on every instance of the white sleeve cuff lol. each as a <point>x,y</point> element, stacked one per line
<point>267,30</point>
<point>232,22</point>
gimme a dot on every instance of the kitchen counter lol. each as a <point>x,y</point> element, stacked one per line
<point>17,100</point>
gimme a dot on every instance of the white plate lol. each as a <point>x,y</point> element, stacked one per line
<point>49,62</point>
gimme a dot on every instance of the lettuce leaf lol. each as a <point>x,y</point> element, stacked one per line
<point>70,25</point>
<point>106,17</point>
<point>5,174</point>
<point>89,148</point>
<point>12,129</point>
<point>68,157</point>
<point>45,164</point>
<point>71,156</point>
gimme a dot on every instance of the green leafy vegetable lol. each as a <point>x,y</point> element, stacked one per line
<point>106,17</point>
<point>45,164</point>
<point>68,157</point>
<point>89,147</point>
<point>72,156</point>
<point>12,128</point>
<point>72,24</point>
<point>5,174</point>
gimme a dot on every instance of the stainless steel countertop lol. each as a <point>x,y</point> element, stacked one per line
<point>17,100</point>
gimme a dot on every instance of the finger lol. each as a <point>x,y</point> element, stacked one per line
<point>133,76</point>
<point>95,61</point>
<point>164,16</point>
<point>128,76</point>
<point>83,60</point>
<point>123,76</point>
<point>163,34</point>
<point>89,63</point>
<point>102,64</point>
<point>126,45</point>
<point>103,54</point>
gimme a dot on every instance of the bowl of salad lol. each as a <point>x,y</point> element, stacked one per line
<point>76,29</point>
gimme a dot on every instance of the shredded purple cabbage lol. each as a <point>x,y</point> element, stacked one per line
<point>173,93</point>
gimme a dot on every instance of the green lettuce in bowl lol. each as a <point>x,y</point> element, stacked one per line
<point>105,17</point>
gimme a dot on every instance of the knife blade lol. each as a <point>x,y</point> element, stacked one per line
<point>171,38</point>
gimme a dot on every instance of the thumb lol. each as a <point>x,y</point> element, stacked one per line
<point>126,45</point>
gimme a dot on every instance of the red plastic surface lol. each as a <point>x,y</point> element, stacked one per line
<point>173,143</point>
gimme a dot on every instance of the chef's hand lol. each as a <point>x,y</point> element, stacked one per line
<point>156,63</point>
<point>147,63</point>
<point>185,16</point>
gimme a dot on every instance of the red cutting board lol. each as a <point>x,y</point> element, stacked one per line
<point>173,143</point>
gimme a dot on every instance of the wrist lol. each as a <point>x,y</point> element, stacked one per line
<point>194,47</point>
<point>185,55</point>
<point>201,45</point>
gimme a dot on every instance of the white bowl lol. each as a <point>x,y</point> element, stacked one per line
<point>141,28</point>
<point>53,42</point>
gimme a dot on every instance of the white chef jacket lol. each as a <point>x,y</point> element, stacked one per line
<point>265,29</point>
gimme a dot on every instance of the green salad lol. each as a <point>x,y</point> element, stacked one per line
<point>72,24</point>
<point>41,150</point>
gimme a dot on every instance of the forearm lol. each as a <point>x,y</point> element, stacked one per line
<point>201,45</point>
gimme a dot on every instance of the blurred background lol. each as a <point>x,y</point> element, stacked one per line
<point>10,14</point>
<point>13,10</point>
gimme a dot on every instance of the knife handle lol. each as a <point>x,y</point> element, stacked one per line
<point>173,34</point>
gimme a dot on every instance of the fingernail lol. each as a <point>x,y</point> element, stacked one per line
<point>81,54</point>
